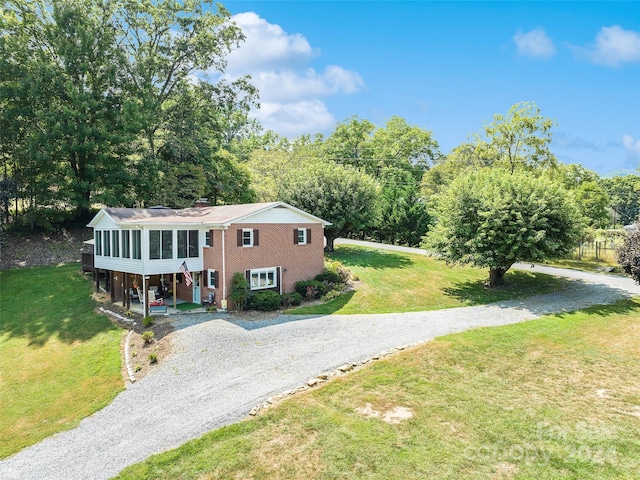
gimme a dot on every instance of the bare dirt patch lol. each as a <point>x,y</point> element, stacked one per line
<point>393,416</point>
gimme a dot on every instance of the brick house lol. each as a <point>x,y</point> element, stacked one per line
<point>136,250</point>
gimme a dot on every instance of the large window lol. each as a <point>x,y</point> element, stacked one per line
<point>106,243</point>
<point>126,246</point>
<point>136,245</point>
<point>187,244</point>
<point>98,242</point>
<point>115,243</point>
<point>160,244</point>
<point>263,278</point>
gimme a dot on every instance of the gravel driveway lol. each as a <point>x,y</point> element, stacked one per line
<point>220,369</point>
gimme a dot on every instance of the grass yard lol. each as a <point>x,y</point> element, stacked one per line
<point>60,360</point>
<point>402,282</point>
<point>555,398</point>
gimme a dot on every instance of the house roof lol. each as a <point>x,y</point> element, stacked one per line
<point>221,215</point>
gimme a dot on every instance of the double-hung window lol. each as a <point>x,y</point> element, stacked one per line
<point>302,236</point>
<point>263,278</point>
<point>247,237</point>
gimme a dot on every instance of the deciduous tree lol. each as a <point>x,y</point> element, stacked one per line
<point>495,218</point>
<point>340,194</point>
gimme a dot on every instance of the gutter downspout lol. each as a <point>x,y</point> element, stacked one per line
<point>223,302</point>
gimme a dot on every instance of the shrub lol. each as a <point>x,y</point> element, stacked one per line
<point>328,276</point>
<point>628,255</point>
<point>240,291</point>
<point>311,288</point>
<point>138,368</point>
<point>331,295</point>
<point>334,272</point>
<point>265,301</point>
<point>148,336</point>
<point>291,299</point>
<point>146,321</point>
<point>153,357</point>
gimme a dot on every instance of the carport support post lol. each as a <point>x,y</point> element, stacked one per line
<point>145,297</point>
<point>175,292</point>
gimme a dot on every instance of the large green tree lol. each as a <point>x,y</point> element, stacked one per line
<point>73,109</point>
<point>105,102</point>
<point>495,218</point>
<point>340,194</point>
<point>519,139</point>
<point>624,197</point>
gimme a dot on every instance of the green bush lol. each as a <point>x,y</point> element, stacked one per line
<point>330,295</point>
<point>240,291</point>
<point>153,357</point>
<point>146,321</point>
<point>334,272</point>
<point>148,336</point>
<point>291,299</point>
<point>265,301</point>
<point>311,288</point>
<point>328,276</point>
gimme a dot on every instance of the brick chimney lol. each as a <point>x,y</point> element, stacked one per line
<point>202,202</point>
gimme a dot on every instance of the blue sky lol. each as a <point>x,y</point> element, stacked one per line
<point>448,67</point>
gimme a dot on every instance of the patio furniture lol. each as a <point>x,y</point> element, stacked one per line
<point>209,300</point>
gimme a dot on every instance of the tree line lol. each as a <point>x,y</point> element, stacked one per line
<point>124,103</point>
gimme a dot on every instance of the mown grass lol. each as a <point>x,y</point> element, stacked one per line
<point>553,398</point>
<point>403,282</point>
<point>60,360</point>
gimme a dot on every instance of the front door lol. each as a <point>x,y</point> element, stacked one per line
<point>196,287</point>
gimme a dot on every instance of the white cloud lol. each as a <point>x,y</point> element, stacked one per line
<point>534,44</point>
<point>614,46</point>
<point>291,92</point>
<point>288,118</point>
<point>266,46</point>
<point>632,147</point>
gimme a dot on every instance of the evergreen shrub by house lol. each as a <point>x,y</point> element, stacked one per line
<point>240,291</point>
<point>311,288</point>
<point>291,299</point>
<point>265,301</point>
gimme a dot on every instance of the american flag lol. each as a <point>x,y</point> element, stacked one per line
<point>187,276</point>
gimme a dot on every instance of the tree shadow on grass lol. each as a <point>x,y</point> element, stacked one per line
<point>370,258</point>
<point>44,302</point>
<point>518,284</point>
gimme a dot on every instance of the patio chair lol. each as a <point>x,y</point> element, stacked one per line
<point>134,295</point>
<point>209,299</point>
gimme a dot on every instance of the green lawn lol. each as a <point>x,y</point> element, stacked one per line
<point>555,398</point>
<point>402,282</point>
<point>60,361</point>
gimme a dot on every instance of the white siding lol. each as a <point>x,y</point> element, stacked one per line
<point>278,215</point>
<point>105,223</point>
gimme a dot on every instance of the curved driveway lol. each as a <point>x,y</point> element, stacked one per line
<point>222,368</point>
